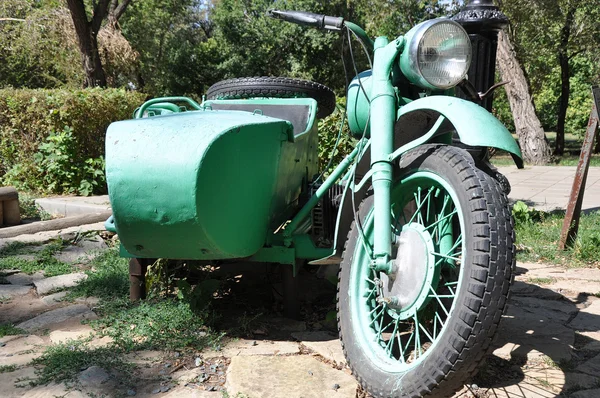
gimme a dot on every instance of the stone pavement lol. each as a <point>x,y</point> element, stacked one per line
<point>549,187</point>
<point>74,205</point>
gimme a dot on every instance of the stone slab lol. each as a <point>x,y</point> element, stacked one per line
<point>588,319</point>
<point>54,298</point>
<point>590,367</point>
<point>10,291</point>
<point>8,389</point>
<point>20,350</point>
<point>324,344</point>
<point>22,279</point>
<point>595,393</point>
<point>290,377</point>
<point>45,286</point>
<point>578,381</point>
<point>527,334</point>
<point>74,205</point>
<point>77,332</point>
<point>556,310</point>
<point>255,347</point>
<point>82,252</point>
<point>45,320</point>
<point>47,236</point>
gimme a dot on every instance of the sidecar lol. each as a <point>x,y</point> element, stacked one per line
<point>212,182</point>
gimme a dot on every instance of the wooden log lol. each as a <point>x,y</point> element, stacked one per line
<point>54,225</point>
<point>12,212</point>
<point>8,193</point>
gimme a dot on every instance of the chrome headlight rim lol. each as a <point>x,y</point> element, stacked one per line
<point>411,52</point>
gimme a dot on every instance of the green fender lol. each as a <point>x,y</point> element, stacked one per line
<point>474,125</point>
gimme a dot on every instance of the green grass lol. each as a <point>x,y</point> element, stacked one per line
<point>43,259</point>
<point>10,330</point>
<point>538,234</point>
<point>7,368</point>
<point>161,323</point>
<point>64,362</point>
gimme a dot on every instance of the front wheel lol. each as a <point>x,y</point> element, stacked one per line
<point>423,328</point>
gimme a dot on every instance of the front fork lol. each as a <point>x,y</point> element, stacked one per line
<point>382,118</point>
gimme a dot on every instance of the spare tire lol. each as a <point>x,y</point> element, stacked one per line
<point>274,87</point>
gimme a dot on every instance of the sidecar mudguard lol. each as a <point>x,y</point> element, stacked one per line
<point>206,184</point>
<point>474,125</point>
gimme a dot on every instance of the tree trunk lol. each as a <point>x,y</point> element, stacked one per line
<point>532,138</point>
<point>565,79</point>
<point>87,38</point>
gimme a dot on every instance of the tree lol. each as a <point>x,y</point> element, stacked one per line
<point>87,34</point>
<point>530,132</point>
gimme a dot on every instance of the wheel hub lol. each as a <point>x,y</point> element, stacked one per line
<point>407,288</point>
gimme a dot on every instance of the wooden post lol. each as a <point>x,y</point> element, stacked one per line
<point>571,222</point>
<point>10,214</point>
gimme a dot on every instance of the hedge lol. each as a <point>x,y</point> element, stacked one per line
<point>37,127</point>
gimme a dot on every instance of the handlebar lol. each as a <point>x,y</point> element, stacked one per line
<point>319,21</point>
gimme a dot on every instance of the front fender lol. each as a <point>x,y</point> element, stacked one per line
<point>474,125</point>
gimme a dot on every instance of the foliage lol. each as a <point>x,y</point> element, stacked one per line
<point>536,27</point>
<point>538,234</point>
<point>330,129</point>
<point>10,330</point>
<point>61,174</point>
<point>51,122</point>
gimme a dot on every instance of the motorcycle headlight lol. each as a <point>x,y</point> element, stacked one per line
<point>437,54</point>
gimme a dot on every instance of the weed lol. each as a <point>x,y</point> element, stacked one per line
<point>162,324</point>
<point>5,299</point>
<point>542,281</point>
<point>12,248</point>
<point>7,368</point>
<point>539,233</point>
<point>9,330</point>
<point>43,259</point>
<point>109,279</point>
<point>63,362</point>
<point>29,210</point>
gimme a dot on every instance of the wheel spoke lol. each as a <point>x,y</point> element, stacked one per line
<point>390,343</point>
<point>426,333</point>
<point>417,338</point>
<point>439,301</point>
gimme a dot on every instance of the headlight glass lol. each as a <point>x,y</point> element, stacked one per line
<point>438,54</point>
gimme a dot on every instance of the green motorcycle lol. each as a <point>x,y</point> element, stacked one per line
<point>422,230</point>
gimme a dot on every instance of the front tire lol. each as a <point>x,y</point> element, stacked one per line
<point>423,329</point>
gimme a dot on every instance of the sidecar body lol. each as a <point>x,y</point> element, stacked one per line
<point>210,183</point>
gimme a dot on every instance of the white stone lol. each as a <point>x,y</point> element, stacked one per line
<point>47,285</point>
<point>255,347</point>
<point>10,291</point>
<point>22,279</point>
<point>73,312</point>
<point>291,376</point>
<point>324,344</point>
<point>54,298</point>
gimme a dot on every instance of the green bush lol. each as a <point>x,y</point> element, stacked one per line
<point>52,141</point>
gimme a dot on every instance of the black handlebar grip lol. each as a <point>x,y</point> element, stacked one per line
<point>308,18</point>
